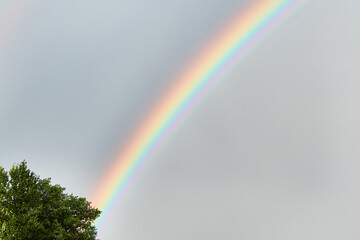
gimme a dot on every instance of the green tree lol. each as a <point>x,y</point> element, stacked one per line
<point>32,208</point>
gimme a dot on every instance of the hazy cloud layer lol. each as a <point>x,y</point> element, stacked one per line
<point>271,154</point>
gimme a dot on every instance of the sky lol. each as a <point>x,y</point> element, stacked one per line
<point>272,153</point>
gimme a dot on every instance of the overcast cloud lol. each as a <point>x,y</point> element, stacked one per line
<point>273,153</point>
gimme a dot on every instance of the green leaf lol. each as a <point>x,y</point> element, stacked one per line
<point>33,208</point>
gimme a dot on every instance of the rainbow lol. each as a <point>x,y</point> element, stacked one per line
<point>11,14</point>
<point>232,46</point>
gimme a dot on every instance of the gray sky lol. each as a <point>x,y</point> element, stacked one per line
<point>271,154</point>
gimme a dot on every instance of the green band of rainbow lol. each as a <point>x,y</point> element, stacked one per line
<point>231,47</point>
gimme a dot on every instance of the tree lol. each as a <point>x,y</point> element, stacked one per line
<point>32,208</point>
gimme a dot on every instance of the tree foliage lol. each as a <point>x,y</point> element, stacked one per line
<point>32,208</point>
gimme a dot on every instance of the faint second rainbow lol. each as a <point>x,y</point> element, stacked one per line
<point>12,15</point>
<point>229,48</point>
